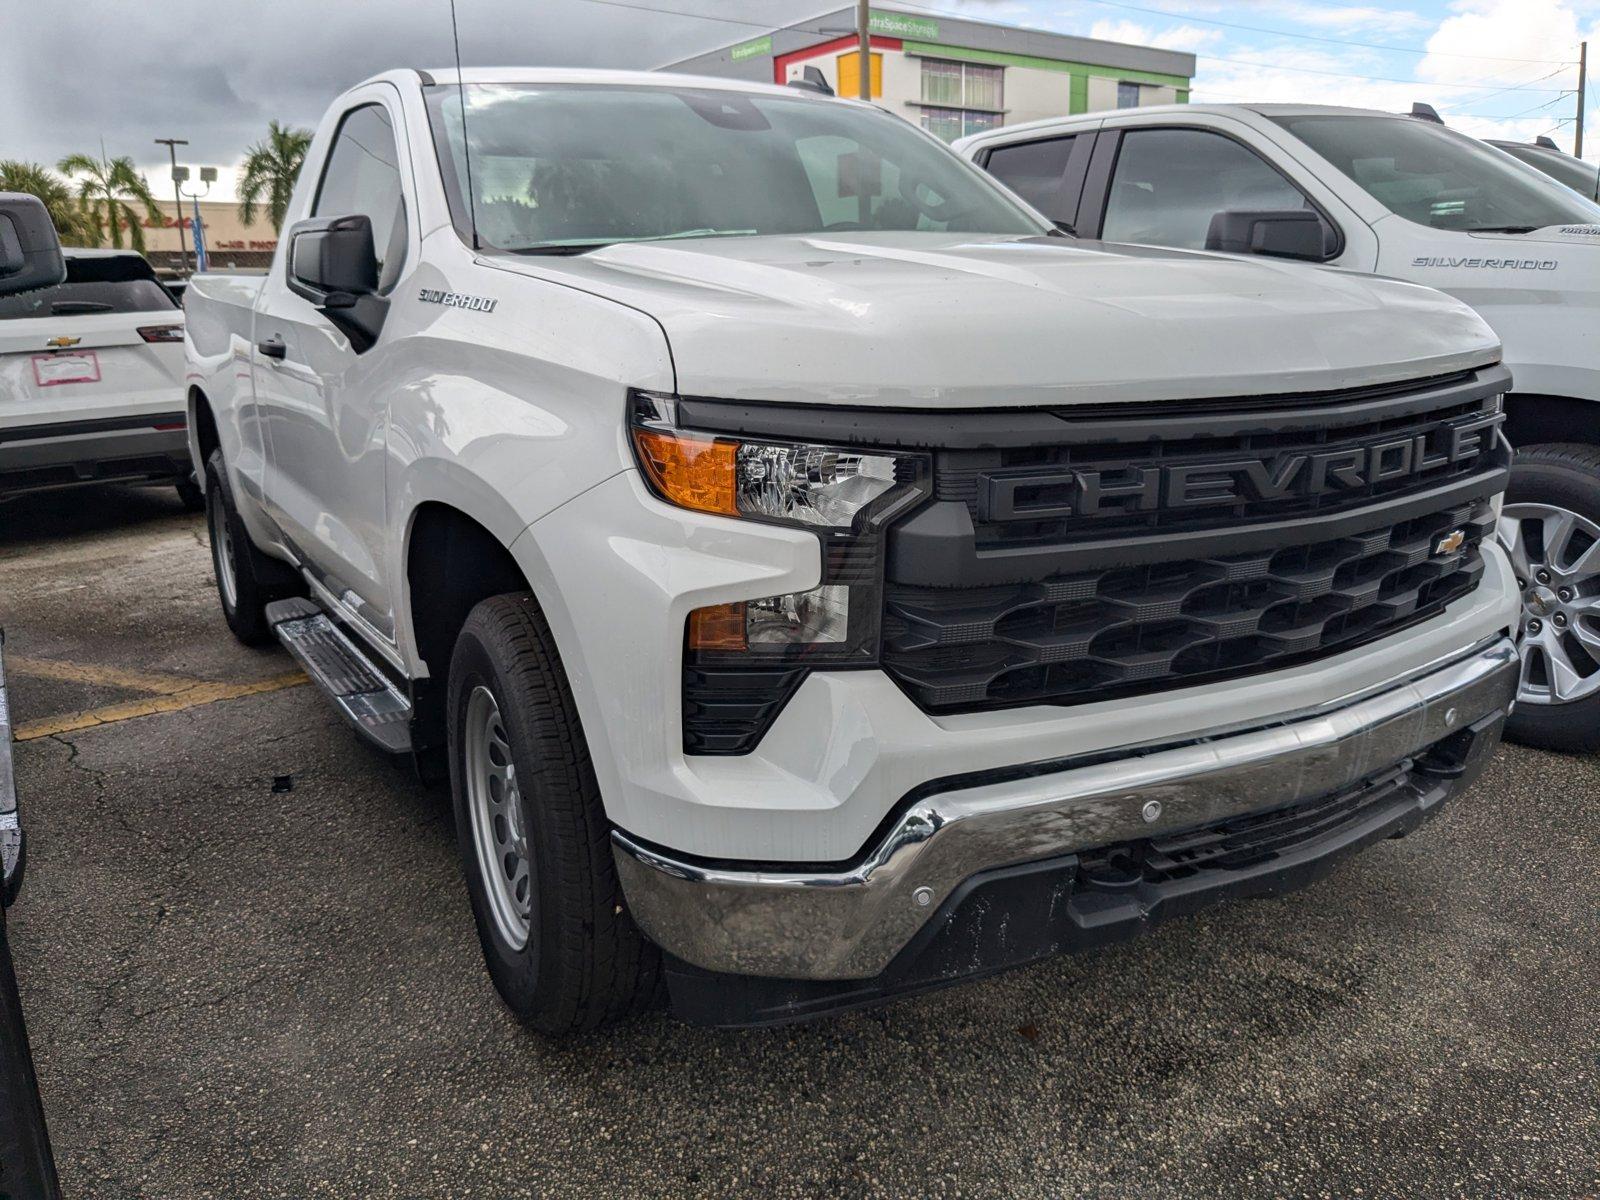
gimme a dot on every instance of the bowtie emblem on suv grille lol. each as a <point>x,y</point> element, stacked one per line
<point>1449,543</point>
<point>61,343</point>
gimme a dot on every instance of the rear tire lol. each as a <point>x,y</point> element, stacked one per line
<point>1550,523</point>
<point>535,845</point>
<point>247,580</point>
<point>194,500</point>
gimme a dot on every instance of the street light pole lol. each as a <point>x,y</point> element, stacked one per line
<point>864,47</point>
<point>172,145</point>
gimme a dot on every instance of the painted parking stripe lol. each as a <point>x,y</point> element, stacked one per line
<point>134,681</point>
<point>195,696</point>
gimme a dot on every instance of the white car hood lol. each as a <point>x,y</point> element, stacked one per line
<point>947,320</point>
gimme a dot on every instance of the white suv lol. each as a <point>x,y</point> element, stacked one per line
<point>91,380</point>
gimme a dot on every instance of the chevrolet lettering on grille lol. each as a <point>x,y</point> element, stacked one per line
<point>1084,492</point>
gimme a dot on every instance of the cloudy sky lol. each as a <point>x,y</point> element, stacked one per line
<point>215,71</point>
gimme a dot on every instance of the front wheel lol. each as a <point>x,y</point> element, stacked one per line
<point>1550,528</point>
<point>535,844</point>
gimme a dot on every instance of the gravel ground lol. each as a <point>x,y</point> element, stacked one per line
<point>236,992</point>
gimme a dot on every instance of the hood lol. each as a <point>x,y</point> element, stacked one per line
<point>947,320</point>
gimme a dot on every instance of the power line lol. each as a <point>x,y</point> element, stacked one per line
<point>1311,37</point>
<point>768,26</point>
<point>1560,66</point>
<point>1473,87</point>
<point>1540,79</point>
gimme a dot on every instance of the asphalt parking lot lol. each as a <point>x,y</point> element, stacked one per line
<point>238,992</point>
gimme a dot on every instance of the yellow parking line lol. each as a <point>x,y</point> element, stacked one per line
<point>133,681</point>
<point>190,697</point>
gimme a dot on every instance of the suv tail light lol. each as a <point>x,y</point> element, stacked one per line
<point>161,333</point>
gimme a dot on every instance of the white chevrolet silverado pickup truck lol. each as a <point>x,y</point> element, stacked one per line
<point>820,579</point>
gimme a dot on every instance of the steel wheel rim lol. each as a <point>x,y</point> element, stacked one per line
<point>222,554</point>
<point>499,833</point>
<point>1555,553</point>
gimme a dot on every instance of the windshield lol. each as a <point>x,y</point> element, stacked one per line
<point>565,168</point>
<point>1438,177</point>
<point>115,284</point>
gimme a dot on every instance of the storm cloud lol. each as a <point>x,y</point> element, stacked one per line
<point>216,71</point>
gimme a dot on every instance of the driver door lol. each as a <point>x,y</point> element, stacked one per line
<point>325,405</point>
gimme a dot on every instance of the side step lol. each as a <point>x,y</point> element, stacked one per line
<point>362,693</point>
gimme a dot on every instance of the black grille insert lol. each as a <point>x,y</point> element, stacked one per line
<point>1073,638</point>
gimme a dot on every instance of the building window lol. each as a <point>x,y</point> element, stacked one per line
<point>1127,95</point>
<point>959,98</point>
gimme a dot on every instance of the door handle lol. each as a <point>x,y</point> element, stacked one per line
<point>273,347</point>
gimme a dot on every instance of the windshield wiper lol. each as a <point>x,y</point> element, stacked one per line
<point>65,307</point>
<point>1503,228</point>
<point>585,247</point>
<point>563,248</point>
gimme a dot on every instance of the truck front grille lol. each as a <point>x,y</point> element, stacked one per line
<point>1066,573</point>
<point>1088,636</point>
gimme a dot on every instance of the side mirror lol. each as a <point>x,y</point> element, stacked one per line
<point>333,263</point>
<point>30,251</point>
<point>1278,233</point>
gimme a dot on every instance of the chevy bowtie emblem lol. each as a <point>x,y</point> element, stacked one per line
<point>60,343</point>
<point>1450,542</point>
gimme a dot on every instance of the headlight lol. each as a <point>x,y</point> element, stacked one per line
<point>827,487</point>
<point>744,658</point>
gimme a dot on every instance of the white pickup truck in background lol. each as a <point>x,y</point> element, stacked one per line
<point>1409,199</point>
<point>819,579</point>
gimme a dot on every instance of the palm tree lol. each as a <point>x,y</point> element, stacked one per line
<point>113,186</point>
<point>76,224</point>
<point>270,169</point>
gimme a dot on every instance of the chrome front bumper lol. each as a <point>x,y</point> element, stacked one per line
<point>850,923</point>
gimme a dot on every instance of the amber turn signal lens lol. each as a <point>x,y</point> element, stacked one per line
<point>690,472</point>
<point>720,627</point>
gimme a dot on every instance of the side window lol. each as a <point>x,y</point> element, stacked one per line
<point>1035,171</point>
<point>1169,183</point>
<point>363,177</point>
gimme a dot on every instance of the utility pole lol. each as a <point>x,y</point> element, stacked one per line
<point>1583,79</point>
<point>172,145</point>
<point>864,50</point>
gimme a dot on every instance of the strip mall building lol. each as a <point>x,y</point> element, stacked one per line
<point>954,76</point>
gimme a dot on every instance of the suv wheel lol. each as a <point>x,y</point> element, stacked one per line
<point>534,840</point>
<point>1550,527</point>
<point>247,580</point>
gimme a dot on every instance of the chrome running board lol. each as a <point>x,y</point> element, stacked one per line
<point>359,689</point>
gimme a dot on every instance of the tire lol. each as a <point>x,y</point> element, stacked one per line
<point>1556,489</point>
<point>194,500</point>
<point>582,963</point>
<point>247,580</point>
